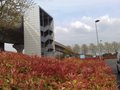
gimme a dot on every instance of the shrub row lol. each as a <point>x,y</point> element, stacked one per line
<point>22,72</point>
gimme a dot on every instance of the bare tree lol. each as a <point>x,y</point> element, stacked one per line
<point>84,49</point>
<point>101,48</point>
<point>76,48</point>
<point>115,46</point>
<point>92,49</point>
<point>11,12</point>
<point>108,47</point>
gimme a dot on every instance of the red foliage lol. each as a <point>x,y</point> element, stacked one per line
<point>24,72</point>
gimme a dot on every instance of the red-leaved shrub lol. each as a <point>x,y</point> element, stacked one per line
<point>22,72</point>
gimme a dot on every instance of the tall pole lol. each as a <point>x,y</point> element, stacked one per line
<point>96,21</point>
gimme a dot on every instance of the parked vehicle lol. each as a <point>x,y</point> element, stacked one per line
<point>118,62</point>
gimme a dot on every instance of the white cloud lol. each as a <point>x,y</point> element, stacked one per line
<point>81,26</point>
<point>59,29</point>
<point>76,24</point>
<point>83,30</point>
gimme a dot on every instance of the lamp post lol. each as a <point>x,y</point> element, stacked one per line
<point>96,21</point>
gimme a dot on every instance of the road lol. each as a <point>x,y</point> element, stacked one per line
<point>112,64</point>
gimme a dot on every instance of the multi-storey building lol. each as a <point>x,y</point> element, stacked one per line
<point>34,34</point>
<point>38,32</point>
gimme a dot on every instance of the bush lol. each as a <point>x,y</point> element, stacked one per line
<point>110,56</point>
<point>22,72</point>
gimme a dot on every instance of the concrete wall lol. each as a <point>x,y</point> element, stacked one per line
<point>32,36</point>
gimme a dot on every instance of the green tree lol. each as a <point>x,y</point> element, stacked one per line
<point>11,12</point>
<point>68,51</point>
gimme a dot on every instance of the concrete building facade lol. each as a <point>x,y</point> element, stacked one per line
<point>38,32</point>
<point>34,35</point>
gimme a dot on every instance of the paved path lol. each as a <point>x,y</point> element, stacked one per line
<point>112,64</point>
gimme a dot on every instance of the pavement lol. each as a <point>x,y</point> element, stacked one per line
<point>112,64</point>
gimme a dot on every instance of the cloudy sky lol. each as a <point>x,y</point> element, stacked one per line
<point>74,20</point>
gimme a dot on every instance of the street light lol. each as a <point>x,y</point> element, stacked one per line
<point>96,21</point>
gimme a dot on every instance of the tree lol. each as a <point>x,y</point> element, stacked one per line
<point>11,12</point>
<point>101,48</point>
<point>108,47</point>
<point>68,50</point>
<point>84,49</point>
<point>76,48</point>
<point>92,49</point>
<point>115,46</point>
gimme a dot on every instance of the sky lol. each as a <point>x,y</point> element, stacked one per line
<point>74,20</point>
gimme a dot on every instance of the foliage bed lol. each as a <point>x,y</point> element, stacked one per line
<point>22,72</point>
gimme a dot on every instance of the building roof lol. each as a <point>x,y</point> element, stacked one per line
<point>60,45</point>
